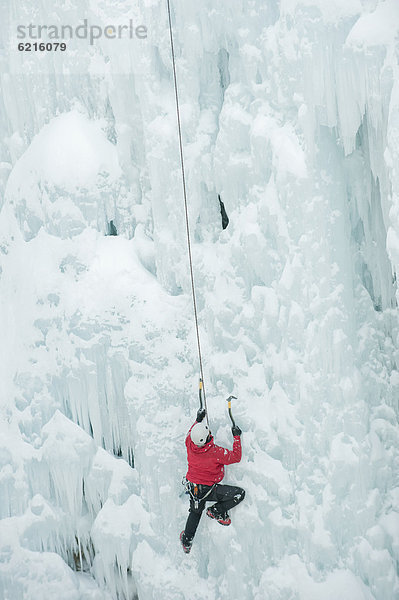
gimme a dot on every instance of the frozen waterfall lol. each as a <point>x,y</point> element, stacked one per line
<point>290,111</point>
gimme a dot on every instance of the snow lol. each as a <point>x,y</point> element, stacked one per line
<point>69,156</point>
<point>290,110</point>
<point>338,584</point>
<point>377,27</point>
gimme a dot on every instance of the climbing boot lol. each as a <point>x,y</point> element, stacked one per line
<point>185,543</point>
<point>223,519</point>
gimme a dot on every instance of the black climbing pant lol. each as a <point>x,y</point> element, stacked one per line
<point>226,497</point>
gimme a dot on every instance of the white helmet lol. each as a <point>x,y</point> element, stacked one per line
<point>199,433</point>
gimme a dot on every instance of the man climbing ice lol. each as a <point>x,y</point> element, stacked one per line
<point>205,471</point>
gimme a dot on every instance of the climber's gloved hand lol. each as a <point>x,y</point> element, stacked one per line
<point>201,415</point>
<point>236,430</point>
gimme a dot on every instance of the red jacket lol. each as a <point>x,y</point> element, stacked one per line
<point>206,464</point>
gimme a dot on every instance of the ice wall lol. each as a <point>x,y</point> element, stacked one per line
<point>290,112</point>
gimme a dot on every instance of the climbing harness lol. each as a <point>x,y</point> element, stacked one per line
<point>192,489</point>
<point>202,387</point>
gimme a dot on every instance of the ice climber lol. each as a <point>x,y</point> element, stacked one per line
<point>205,472</point>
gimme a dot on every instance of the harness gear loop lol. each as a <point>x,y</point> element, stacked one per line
<point>186,207</point>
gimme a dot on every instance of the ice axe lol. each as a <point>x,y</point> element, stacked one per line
<point>200,392</point>
<point>229,399</point>
<point>202,400</point>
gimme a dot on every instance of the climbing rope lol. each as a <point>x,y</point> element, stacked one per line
<point>202,387</point>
